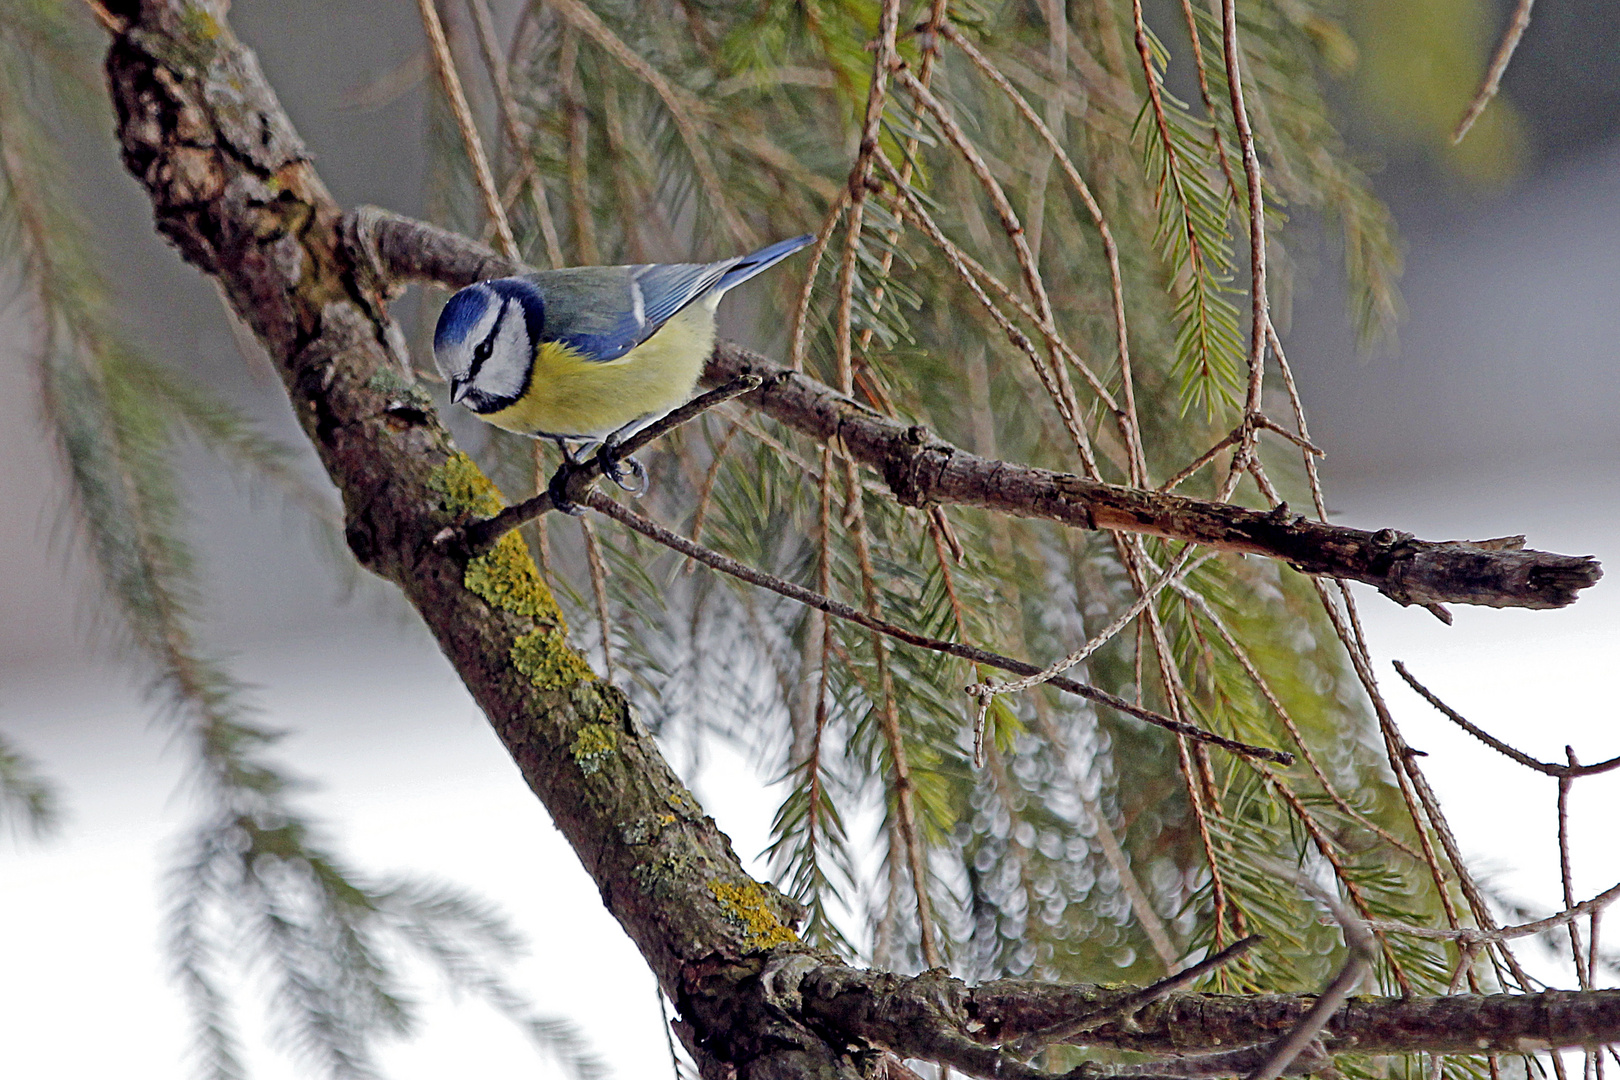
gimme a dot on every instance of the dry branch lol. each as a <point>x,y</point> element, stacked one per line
<point>921,469</point>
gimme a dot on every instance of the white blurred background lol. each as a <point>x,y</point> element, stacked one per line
<point>1497,416</point>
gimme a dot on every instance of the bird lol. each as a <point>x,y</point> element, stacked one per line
<point>587,354</point>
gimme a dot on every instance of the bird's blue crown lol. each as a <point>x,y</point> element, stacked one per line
<point>461,314</point>
<point>464,310</point>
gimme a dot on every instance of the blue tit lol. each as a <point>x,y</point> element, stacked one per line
<point>586,353</point>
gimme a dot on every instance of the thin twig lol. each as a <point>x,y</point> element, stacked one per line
<point>1102,637</point>
<point>109,22</point>
<point>823,675</point>
<point>1561,771</point>
<point>1194,767</point>
<point>669,1037</point>
<point>972,274</point>
<point>1360,945</point>
<point>1241,655</point>
<point>1172,167</point>
<point>604,620</point>
<point>883,62</point>
<point>1469,935</point>
<point>1493,75</point>
<point>1404,760</point>
<point>1195,799</point>
<point>1233,436</point>
<point>1209,103</point>
<point>681,106</point>
<point>1068,407</point>
<point>801,309</point>
<point>1056,14</point>
<point>499,77</point>
<point>542,536</point>
<point>1582,975</point>
<point>1127,415</point>
<point>445,64</point>
<point>1298,405</point>
<point>904,788</point>
<point>706,492</point>
<point>577,128</point>
<point>1324,844</point>
<point>1122,1011</point>
<point>936,22</point>
<point>1266,422</point>
<point>480,535</point>
<point>596,500</point>
<point>1260,302</point>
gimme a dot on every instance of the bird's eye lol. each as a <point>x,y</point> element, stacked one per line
<point>482,350</point>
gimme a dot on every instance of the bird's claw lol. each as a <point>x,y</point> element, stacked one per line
<point>558,490</point>
<point>632,479</point>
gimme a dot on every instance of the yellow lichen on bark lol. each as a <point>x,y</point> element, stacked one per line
<point>465,488</point>
<point>505,577</point>
<point>545,659</point>
<point>746,904</point>
<point>592,747</point>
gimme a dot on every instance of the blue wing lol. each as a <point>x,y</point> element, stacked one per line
<point>666,288</point>
<point>605,311</point>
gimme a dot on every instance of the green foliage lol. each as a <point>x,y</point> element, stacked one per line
<point>1194,238</point>
<point>29,804</point>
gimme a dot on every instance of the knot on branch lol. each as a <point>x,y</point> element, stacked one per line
<point>912,463</point>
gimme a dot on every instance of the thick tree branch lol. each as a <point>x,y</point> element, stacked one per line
<point>915,1016</point>
<point>921,469</point>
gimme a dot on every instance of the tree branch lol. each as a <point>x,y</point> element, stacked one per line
<point>921,469</point>
<point>912,1017</point>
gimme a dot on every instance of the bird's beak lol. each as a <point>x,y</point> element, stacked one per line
<point>458,390</point>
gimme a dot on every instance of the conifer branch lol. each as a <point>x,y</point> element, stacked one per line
<point>603,504</point>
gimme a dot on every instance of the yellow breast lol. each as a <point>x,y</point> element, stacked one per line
<point>572,396</point>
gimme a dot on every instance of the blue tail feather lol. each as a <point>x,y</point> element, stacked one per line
<point>763,259</point>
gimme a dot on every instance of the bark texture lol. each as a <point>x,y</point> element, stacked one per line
<point>233,189</point>
<point>909,1014</point>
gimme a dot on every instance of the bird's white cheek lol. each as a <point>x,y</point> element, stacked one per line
<point>506,372</point>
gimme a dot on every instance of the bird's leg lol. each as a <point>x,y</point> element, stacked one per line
<point>558,487</point>
<point>613,466</point>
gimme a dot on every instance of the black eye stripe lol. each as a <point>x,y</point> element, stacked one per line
<point>483,349</point>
